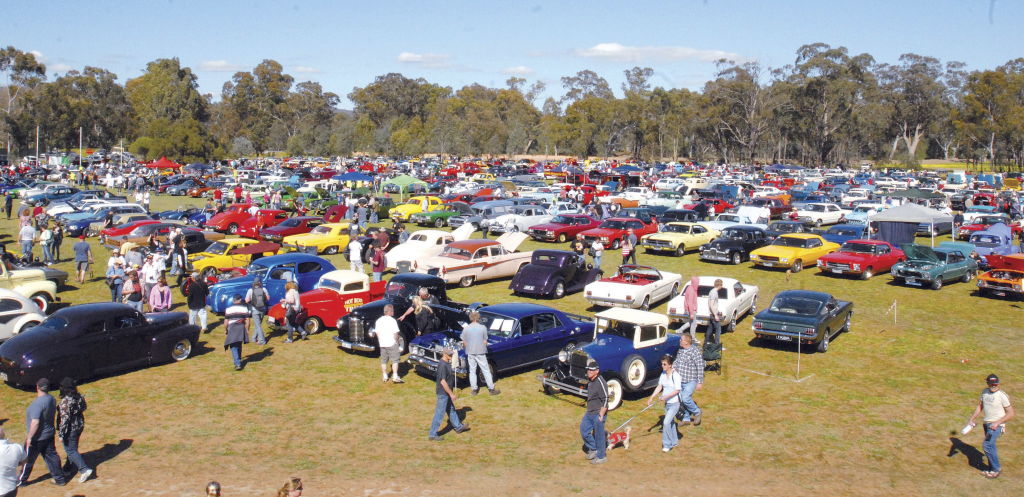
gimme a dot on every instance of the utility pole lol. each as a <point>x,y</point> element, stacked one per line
<point>80,148</point>
<point>37,144</point>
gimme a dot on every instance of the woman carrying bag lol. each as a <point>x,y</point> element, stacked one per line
<point>293,306</point>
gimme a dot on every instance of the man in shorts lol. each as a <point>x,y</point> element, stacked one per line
<point>83,257</point>
<point>388,335</point>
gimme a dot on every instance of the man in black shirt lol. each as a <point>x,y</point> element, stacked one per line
<point>445,397</point>
<point>592,425</point>
<point>196,292</point>
<point>40,440</point>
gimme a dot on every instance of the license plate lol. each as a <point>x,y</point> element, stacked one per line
<point>783,338</point>
<point>346,345</point>
<point>1001,294</point>
<point>912,281</point>
<point>528,287</point>
<point>769,264</point>
<point>837,271</point>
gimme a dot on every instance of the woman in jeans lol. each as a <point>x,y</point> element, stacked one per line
<point>669,386</point>
<point>292,306</point>
<point>70,423</point>
<point>115,280</point>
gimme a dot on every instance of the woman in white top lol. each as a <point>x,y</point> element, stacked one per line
<point>669,386</point>
<point>292,306</point>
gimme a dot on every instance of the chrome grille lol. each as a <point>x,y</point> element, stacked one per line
<point>578,364</point>
<point>837,265</point>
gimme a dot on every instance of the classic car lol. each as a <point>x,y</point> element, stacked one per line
<point>553,274</point>
<point>777,205</point>
<point>734,244</point>
<point>714,205</point>
<point>563,227</point>
<point>121,230</point>
<point>337,293</point>
<point>519,218</point>
<point>180,214</point>
<point>863,213</point>
<point>355,331</point>
<point>274,271</point>
<point>678,215</point>
<point>290,226</point>
<point>793,251</point>
<point>328,238</point>
<point>481,214</point>
<point>264,218</point>
<point>677,238</point>
<point>468,261</point>
<point>142,231</point>
<point>642,213</point>
<point>17,314</point>
<point>184,187</point>
<point>424,244</point>
<point>414,205</point>
<point>864,258</point>
<point>633,286</point>
<point>223,254</point>
<point>15,263</point>
<point>664,198</point>
<point>747,215</point>
<point>982,223</point>
<point>519,335</point>
<point>439,218</point>
<point>778,228</point>
<point>840,233</point>
<point>817,214</point>
<point>627,344</point>
<point>935,266</point>
<point>50,195</point>
<point>1003,282</point>
<point>612,231</point>
<point>87,340</point>
<point>997,239</point>
<point>734,301</point>
<point>229,220</point>
<point>810,318</point>
<point>32,283</point>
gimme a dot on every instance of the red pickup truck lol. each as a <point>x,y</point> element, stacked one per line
<point>335,295</point>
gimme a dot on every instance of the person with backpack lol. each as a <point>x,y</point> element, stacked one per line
<point>257,298</point>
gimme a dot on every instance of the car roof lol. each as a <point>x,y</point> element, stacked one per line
<point>743,227</point>
<point>801,235</point>
<point>710,280</point>
<point>420,279</point>
<point>89,312</point>
<point>290,257</point>
<point>473,244</point>
<point>518,309</point>
<point>806,294</point>
<point>635,316</point>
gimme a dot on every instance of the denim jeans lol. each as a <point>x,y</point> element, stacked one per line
<point>115,292</point>
<point>597,261</point>
<point>136,305</point>
<point>236,353</point>
<point>48,450</point>
<point>257,327</point>
<point>669,435</point>
<point>481,361</point>
<point>201,313</point>
<point>714,327</point>
<point>377,275</point>
<point>47,257</point>
<point>689,407</point>
<point>693,326</point>
<point>592,431</point>
<point>71,449</point>
<point>989,446</point>
<point>444,405</point>
<point>26,249</point>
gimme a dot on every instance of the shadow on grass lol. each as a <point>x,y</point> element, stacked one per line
<point>768,343</point>
<point>259,356</point>
<point>92,458</point>
<point>202,348</point>
<point>975,458</point>
<point>463,412</point>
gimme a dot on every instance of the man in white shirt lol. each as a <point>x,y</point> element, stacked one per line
<point>150,276</point>
<point>11,455</point>
<point>355,254</point>
<point>253,210</point>
<point>388,334</point>
<point>998,410</point>
<point>115,257</point>
<point>27,236</point>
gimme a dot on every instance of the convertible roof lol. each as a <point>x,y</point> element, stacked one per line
<point>634,316</point>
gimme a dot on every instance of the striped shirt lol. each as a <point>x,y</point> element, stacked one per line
<point>689,364</point>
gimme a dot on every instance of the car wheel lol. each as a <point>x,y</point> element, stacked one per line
<point>731,327</point>
<point>817,223</point>
<point>634,372</point>
<point>467,281</point>
<point>548,389</point>
<point>439,223</point>
<point>312,325</point>
<point>798,266</point>
<point>562,238</point>
<point>867,274</point>
<point>614,393</point>
<point>41,300</point>
<point>616,244</point>
<point>846,324</point>
<point>559,291</point>
<point>680,250</point>
<point>232,228</point>
<point>181,349</point>
<point>331,250</point>
<point>823,344</point>
<point>736,258</point>
<point>646,305</point>
<point>937,284</point>
<point>968,276</point>
<point>27,326</point>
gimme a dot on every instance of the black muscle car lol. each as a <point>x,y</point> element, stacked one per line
<point>87,340</point>
<point>734,244</point>
<point>812,318</point>
<point>553,273</point>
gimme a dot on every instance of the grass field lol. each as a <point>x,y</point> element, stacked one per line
<point>873,416</point>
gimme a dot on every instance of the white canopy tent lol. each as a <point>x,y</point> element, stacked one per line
<point>894,224</point>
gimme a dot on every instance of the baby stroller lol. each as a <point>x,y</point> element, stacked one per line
<point>712,353</point>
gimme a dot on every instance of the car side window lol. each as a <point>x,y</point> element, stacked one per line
<point>496,251</point>
<point>526,326</point>
<point>282,273</point>
<point>545,322</point>
<point>309,266</point>
<point>883,249</point>
<point>813,242</point>
<point>353,287</point>
<point>8,305</point>
<point>738,289</point>
<point>649,332</point>
<point>481,253</point>
<point>313,224</point>
<point>126,321</point>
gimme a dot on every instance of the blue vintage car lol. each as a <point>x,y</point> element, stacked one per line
<point>627,344</point>
<point>521,335</point>
<point>274,271</point>
<point>811,318</point>
<point>553,273</point>
<point>842,233</point>
<point>996,240</point>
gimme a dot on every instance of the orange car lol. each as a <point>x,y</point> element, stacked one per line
<point>1006,278</point>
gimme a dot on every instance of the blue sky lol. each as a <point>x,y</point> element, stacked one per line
<point>343,44</point>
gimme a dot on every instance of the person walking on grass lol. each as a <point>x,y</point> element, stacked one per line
<point>444,389</point>
<point>236,324</point>
<point>995,405</point>
<point>474,340</point>
<point>11,456</point>
<point>70,424</point>
<point>388,336</point>
<point>292,307</point>
<point>257,298</point>
<point>690,305</point>
<point>669,386</point>
<point>39,424</point>
<point>355,253</point>
<point>195,292</point>
<point>689,364</point>
<point>592,425</point>
<point>27,237</point>
<point>83,257</point>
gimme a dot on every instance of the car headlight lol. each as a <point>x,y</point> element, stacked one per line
<point>856,267</point>
<point>563,356</point>
<point>604,239</point>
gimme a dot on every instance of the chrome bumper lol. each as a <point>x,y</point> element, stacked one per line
<point>345,344</point>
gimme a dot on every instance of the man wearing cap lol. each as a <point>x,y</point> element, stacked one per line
<point>236,322</point>
<point>39,423</point>
<point>592,425</point>
<point>149,275</point>
<point>83,257</point>
<point>444,384</point>
<point>996,406</point>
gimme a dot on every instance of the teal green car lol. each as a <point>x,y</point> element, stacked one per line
<point>933,267</point>
<point>439,218</point>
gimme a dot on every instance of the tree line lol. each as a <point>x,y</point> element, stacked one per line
<point>827,107</point>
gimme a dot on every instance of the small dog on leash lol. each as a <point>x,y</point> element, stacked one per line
<point>619,437</point>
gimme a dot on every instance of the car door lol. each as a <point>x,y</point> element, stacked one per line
<point>276,278</point>
<point>309,274</point>
<point>486,263</point>
<point>550,336</point>
<point>128,335</point>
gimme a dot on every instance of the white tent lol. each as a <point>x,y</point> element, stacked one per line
<point>894,224</point>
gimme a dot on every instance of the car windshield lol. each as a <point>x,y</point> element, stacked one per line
<point>419,238</point>
<point>815,208</point>
<point>732,218</point>
<point>672,195</point>
<point>498,325</point>
<point>861,208</point>
<point>55,323</point>
<point>322,230</point>
<point>549,259</point>
<point>989,220</point>
<point>733,234</point>
<point>257,270</point>
<point>329,283</point>
<point>400,290</point>
<point>291,223</point>
<point>217,248</point>
<point>562,220</point>
<point>677,228</point>
<point>785,227</point>
<point>647,272</point>
<point>985,240</point>
<point>613,327</point>
<point>614,225</point>
<point>784,241</point>
<point>844,231</point>
<point>857,248</point>
<point>456,253</point>
<point>796,305</point>
<point>705,290</point>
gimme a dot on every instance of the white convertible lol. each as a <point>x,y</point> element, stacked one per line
<point>425,243</point>
<point>468,261</point>
<point>637,287</point>
<point>735,299</point>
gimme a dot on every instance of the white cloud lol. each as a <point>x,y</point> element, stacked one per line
<point>219,66</point>
<point>39,55</point>
<point>59,67</point>
<point>518,70</point>
<point>624,53</point>
<point>430,60</point>
<point>305,70</point>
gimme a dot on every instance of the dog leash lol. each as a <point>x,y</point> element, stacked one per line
<point>631,419</point>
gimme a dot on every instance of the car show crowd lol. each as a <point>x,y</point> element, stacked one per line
<point>256,258</point>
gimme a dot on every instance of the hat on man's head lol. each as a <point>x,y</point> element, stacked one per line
<point>992,379</point>
<point>592,365</point>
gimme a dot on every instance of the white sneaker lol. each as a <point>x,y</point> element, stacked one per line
<point>85,476</point>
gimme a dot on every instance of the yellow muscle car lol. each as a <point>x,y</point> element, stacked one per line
<point>415,205</point>
<point>328,238</point>
<point>793,250</point>
<point>679,237</point>
<point>220,254</point>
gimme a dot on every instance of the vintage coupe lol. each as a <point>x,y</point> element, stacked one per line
<point>734,244</point>
<point>817,214</point>
<point>274,271</point>
<point>337,293</point>
<point>229,220</point>
<point>810,318</point>
<point>439,218</point>
<point>355,331</point>
<point>734,301</point>
<point>223,254</point>
<point>793,251</point>
<point>32,283</point>
<point>841,233</point>
<point>553,274</point>
<point>864,258</point>
<point>329,238</point>
<point>778,228</point>
<point>14,263</point>
<point>291,226</point>
<point>633,286</point>
<point>264,218</point>
<point>677,238</point>
<point>468,261</point>
<point>982,223</point>
<point>424,244</point>
<point>612,231</point>
<point>626,343</point>
<point>563,227</point>
<point>935,266</point>
<point>17,314</point>
<point>87,340</point>
<point>519,218</point>
<point>519,335</point>
<point>414,205</point>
